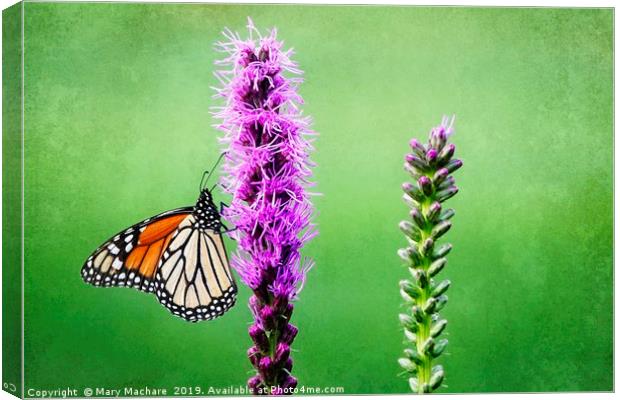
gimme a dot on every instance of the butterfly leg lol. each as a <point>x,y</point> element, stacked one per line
<point>228,230</point>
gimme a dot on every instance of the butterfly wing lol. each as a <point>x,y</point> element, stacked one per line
<point>132,256</point>
<point>194,280</point>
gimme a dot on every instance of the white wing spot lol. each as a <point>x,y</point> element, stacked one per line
<point>117,264</point>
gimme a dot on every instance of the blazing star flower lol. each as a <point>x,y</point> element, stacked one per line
<point>430,166</point>
<point>267,169</point>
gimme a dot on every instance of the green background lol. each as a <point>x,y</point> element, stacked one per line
<point>117,129</point>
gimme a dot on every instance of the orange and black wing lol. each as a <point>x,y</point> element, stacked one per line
<point>131,258</point>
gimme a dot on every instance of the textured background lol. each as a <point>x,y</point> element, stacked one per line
<point>117,129</point>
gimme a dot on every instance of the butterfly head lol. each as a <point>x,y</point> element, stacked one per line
<point>205,195</point>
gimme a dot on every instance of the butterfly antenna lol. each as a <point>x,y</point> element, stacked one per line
<point>219,159</point>
<point>202,181</point>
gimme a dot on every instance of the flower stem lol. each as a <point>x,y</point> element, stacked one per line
<point>424,369</point>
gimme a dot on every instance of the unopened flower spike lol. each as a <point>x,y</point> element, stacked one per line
<point>430,166</point>
<point>267,170</point>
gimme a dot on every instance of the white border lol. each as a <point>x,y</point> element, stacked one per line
<point>507,3</point>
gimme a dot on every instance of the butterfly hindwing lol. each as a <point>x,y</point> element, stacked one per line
<point>132,256</point>
<point>194,279</point>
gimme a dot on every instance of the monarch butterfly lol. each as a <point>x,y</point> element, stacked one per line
<point>178,255</point>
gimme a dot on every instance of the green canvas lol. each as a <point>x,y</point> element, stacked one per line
<point>116,128</point>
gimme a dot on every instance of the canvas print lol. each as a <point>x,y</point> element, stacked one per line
<point>230,199</point>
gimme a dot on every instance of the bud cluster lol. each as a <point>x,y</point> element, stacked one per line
<point>431,166</point>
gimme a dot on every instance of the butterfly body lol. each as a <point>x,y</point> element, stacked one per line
<point>207,215</point>
<point>178,255</point>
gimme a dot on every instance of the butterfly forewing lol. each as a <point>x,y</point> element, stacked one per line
<point>131,257</point>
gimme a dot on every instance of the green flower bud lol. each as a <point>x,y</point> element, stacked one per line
<point>411,203</point>
<point>436,267</point>
<point>414,356</point>
<point>446,214</point>
<point>417,162</point>
<point>413,191</point>
<point>415,174</point>
<point>413,253</point>
<point>407,364</point>
<point>410,230</point>
<point>417,217</point>
<point>438,327</point>
<point>425,185</point>
<point>446,183</point>
<point>440,229</point>
<point>441,302</point>
<point>413,384</point>
<point>427,247</point>
<point>445,194</point>
<point>428,346</point>
<point>446,154</point>
<point>410,336</point>
<point>453,165</point>
<point>439,347</point>
<point>440,176</point>
<point>442,251</point>
<point>440,288</point>
<point>429,306</point>
<point>410,289</point>
<point>438,138</point>
<point>412,328</point>
<point>433,211</point>
<point>404,255</point>
<point>418,314</point>
<point>436,379</point>
<point>420,277</point>
<point>410,256</point>
<point>407,321</point>
<point>417,147</point>
<point>406,297</point>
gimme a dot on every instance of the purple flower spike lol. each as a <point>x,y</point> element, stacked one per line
<point>267,170</point>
